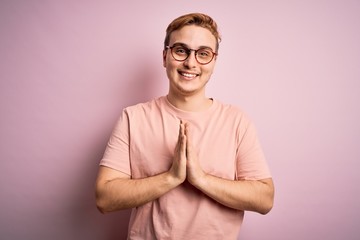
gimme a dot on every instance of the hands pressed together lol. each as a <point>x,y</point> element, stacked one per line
<point>186,163</point>
<point>115,190</point>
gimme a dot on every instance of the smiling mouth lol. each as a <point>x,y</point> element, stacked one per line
<point>188,75</point>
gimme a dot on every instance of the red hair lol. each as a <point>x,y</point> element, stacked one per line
<point>198,19</point>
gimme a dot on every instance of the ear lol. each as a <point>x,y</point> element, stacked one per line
<point>164,58</point>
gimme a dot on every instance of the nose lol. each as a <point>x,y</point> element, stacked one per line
<point>191,61</point>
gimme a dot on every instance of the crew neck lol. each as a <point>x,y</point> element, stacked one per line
<point>188,114</point>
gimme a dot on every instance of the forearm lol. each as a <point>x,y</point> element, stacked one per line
<point>120,193</point>
<point>244,195</point>
<point>115,190</point>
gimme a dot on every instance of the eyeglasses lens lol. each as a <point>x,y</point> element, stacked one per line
<point>202,55</point>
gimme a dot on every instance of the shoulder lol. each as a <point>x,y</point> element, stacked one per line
<point>230,110</point>
<point>144,112</point>
<point>143,108</point>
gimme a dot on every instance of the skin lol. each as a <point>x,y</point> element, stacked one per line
<point>188,93</point>
<point>187,81</point>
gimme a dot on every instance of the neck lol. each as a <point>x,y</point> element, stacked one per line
<point>196,103</point>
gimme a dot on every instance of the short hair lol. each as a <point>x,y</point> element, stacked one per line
<point>198,19</point>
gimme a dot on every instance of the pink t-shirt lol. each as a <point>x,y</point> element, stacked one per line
<point>142,145</point>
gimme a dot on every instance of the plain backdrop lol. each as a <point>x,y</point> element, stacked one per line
<point>68,68</point>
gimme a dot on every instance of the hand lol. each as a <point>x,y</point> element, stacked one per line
<point>178,168</point>
<point>194,172</point>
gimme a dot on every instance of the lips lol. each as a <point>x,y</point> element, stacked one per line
<point>188,74</point>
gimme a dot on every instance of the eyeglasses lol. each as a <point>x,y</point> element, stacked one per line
<point>203,55</point>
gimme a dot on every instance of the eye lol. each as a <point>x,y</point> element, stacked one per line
<point>180,50</point>
<point>204,53</point>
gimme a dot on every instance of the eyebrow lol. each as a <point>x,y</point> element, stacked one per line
<point>187,46</point>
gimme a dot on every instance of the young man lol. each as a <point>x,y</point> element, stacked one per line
<point>188,165</point>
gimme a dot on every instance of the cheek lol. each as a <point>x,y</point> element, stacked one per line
<point>170,65</point>
<point>212,67</point>
<point>171,70</point>
<point>208,70</point>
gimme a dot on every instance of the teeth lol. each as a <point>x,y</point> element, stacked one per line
<point>188,75</point>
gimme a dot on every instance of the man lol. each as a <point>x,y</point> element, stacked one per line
<point>188,165</point>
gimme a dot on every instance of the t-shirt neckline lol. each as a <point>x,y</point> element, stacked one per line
<point>188,114</point>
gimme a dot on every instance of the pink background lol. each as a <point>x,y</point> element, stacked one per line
<point>69,67</point>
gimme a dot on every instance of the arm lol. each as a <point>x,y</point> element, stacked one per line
<point>248,195</point>
<point>115,190</point>
<point>257,195</point>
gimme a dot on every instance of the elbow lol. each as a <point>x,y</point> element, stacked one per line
<point>105,205</point>
<point>101,206</point>
<point>267,201</point>
<point>101,210</point>
<point>266,208</point>
<point>102,203</point>
<point>267,204</point>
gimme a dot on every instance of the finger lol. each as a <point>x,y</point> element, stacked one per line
<point>183,146</point>
<point>179,140</point>
<point>183,125</point>
<point>180,147</point>
<point>189,146</point>
<point>180,131</point>
<point>188,133</point>
<point>183,138</point>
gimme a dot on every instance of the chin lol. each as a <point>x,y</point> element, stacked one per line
<point>189,91</point>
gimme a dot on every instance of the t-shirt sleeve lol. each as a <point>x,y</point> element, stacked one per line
<point>116,154</point>
<point>250,160</point>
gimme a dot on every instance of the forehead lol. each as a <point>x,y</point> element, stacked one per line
<point>193,36</point>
